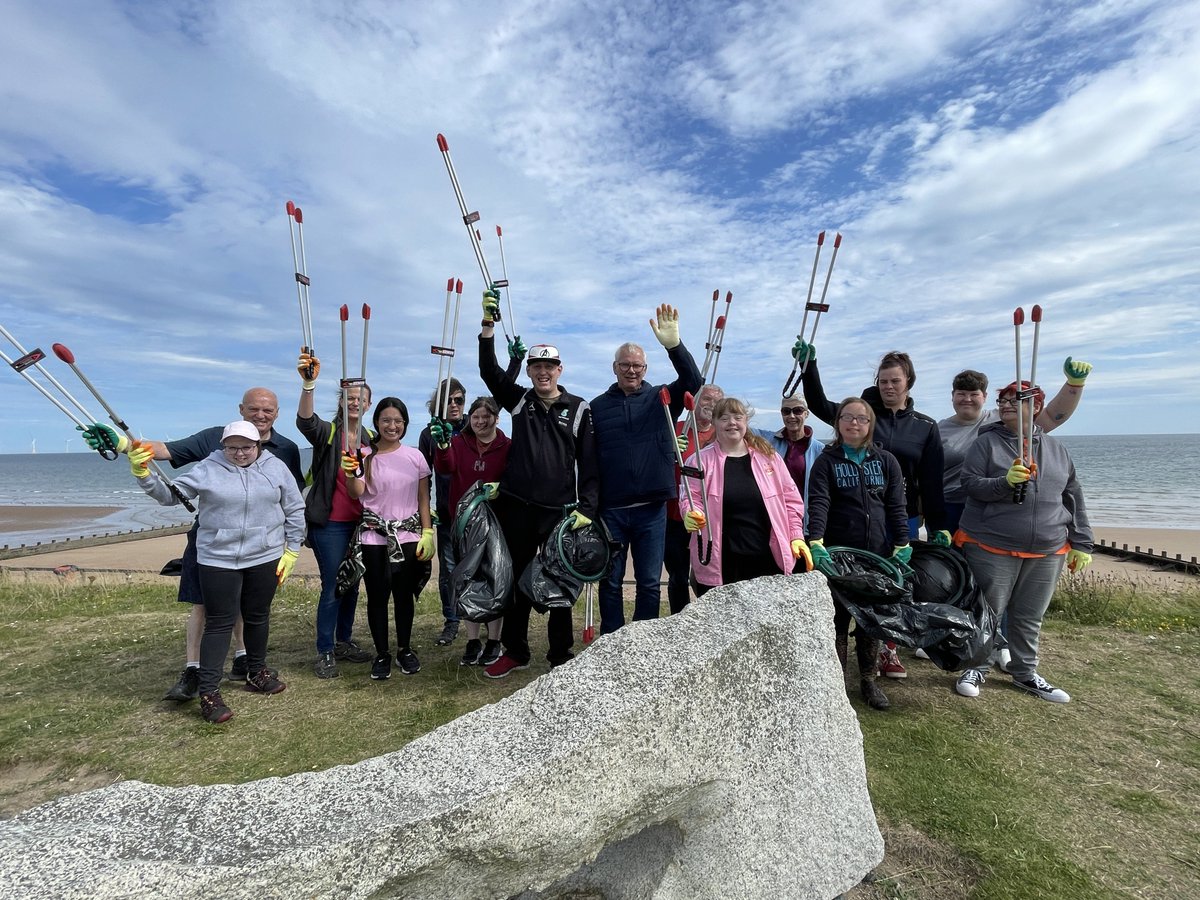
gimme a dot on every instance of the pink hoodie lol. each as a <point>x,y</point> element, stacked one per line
<point>785,508</point>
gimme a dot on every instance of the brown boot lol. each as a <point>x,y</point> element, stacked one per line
<point>873,694</point>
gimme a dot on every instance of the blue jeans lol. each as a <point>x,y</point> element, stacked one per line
<point>641,529</point>
<point>329,544</point>
<point>446,561</point>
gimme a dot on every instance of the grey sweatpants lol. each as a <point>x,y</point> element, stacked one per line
<point>1023,588</point>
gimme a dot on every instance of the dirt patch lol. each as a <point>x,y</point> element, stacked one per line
<point>26,785</point>
<point>915,865</point>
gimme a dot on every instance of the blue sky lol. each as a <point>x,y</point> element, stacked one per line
<point>976,157</point>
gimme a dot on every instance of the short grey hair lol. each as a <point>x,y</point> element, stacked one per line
<point>628,347</point>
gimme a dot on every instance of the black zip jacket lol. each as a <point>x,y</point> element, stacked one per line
<point>552,462</point>
<point>857,504</point>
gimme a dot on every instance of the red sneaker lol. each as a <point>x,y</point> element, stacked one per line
<point>502,667</point>
<point>889,664</point>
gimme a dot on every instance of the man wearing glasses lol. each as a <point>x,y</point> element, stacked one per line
<point>637,467</point>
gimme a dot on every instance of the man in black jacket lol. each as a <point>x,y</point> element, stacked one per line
<point>637,467</point>
<point>551,468</point>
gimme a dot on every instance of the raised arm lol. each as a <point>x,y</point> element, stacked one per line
<point>814,393</point>
<point>1066,401</point>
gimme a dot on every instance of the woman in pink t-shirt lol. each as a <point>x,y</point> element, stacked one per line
<point>397,532</point>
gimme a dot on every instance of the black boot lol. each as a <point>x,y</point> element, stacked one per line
<point>873,693</point>
<point>840,647</point>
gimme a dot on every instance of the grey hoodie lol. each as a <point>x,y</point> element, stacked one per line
<point>1053,512</point>
<point>247,515</point>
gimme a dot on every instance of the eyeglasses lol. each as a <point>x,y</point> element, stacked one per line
<point>1008,401</point>
<point>459,400</point>
<point>240,450</point>
<point>854,420</point>
<point>793,411</point>
<point>632,367</point>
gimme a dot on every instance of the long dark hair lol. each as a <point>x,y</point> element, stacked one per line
<point>385,404</point>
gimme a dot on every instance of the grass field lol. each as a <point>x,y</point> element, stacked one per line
<point>1004,796</point>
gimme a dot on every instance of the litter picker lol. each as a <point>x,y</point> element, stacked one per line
<point>798,368</point>
<point>445,351</point>
<point>296,230</point>
<point>716,336</point>
<point>504,270</point>
<point>347,383</point>
<point>589,612</point>
<point>690,427</point>
<point>469,219</point>
<point>63,353</point>
<point>1025,456</point>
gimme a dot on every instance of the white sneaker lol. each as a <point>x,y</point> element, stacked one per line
<point>1002,659</point>
<point>920,653</point>
<point>968,683</point>
<point>1036,684</point>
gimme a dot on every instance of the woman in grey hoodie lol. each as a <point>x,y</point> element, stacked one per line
<point>251,523</point>
<point>1016,549</point>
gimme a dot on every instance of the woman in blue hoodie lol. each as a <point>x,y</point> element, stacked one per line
<point>250,526</point>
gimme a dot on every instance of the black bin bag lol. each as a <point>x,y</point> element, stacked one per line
<point>939,607</point>
<point>565,563</point>
<point>482,578</point>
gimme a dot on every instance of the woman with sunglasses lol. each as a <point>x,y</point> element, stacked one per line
<point>856,499</point>
<point>796,444</point>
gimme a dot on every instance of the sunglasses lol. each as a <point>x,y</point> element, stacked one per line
<point>793,410</point>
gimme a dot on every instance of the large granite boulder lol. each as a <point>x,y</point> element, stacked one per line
<point>709,754</point>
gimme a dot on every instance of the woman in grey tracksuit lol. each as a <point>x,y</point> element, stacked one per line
<point>1016,550</point>
<point>251,524</point>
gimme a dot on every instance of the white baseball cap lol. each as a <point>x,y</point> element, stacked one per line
<point>241,428</point>
<point>544,352</point>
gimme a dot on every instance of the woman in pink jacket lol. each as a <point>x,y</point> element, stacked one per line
<point>755,512</point>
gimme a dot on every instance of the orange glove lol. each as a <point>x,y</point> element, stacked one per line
<point>694,521</point>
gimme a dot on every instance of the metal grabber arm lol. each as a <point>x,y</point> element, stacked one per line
<point>445,350</point>
<point>347,382</point>
<point>296,231</point>
<point>795,380</point>
<point>705,533</point>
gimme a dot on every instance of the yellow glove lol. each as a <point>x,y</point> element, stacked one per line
<point>800,551</point>
<point>425,546</point>
<point>309,368</point>
<point>493,489</point>
<point>1017,474</point>
<point>693,521</point>
<point>579,520</point>
<point>491,306</point>
<point>1077,560</point>
<point>140,454</point>
<point>350,464</point>
<point>682,443</point>
<point>286,563</point>
<point>1076,371</point>
<point>665,326</point>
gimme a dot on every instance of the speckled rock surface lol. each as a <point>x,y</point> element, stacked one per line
<point>709,754</point>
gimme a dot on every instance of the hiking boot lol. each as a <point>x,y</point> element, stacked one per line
<point>471,654</point>
<point>969,682</point>
<point>349,651</point>
<point>408,662</point>
<point>873,694</point>
<point>504,666</point>
<point>1036,684</point>
<point>890,665</point>
<point>264,682</point>
<point>381,669</point>
<point>240,668</point>
<point>449,633</point>
<point>187,687</point>
<point>213,708</point>
<point>491,653</point>
<point>326,666</point>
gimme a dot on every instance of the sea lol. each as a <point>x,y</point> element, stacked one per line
<point>1135,481</point>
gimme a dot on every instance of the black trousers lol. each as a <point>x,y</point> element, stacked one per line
<point>382,580</point>
<point>737,567</point>
<point>525,528</point>
<point>226,593</point>
<point>678,560</point>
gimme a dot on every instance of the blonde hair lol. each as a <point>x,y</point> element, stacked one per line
<point>734,406</point>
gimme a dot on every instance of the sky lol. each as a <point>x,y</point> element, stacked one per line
<point>976,157</point>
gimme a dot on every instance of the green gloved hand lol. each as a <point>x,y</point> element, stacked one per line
<point>440,431</point>
<point>820,556</point>
<point>1077,560</point>
<point>493,489</point>
<point>491,305</point>
<point>286,563</point>
<point>943,539</point>
<point>681,441</point>
<point>101,437</point>
<point>425,546</point>
<point>693,521</point>
<point>800,550</point>
<point>578,520</point>
<point>803,352</point>
<point>1017,474</point>
<point>665,326</point>
<point>1076,371</point>
<point>904,554</point>
<point>140,455</point>
<point>517,348</point>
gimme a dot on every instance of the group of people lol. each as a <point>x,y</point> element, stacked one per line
<point>377,511</point>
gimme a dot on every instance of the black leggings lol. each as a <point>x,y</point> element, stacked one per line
<point>737,567</point>
<point>226,593</point>
<point>382,581</point>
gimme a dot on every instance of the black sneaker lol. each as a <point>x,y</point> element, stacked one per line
<point>472,653</point>
<point>186,688</point>
<point>408,662</point>
<point>326,666</point>
<point>491,652</point>
<point>554,664</point>
<point>381,669</point>
<point>240,668</point>
<point>264,682</point>
<point>349,651</point>
<point>449,633</point>
<point>213,708</point>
